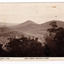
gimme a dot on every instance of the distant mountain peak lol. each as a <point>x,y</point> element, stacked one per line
<point>26,23</point>
<point>29,22</point>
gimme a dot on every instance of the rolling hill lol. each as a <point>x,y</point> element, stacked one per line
<point>37,30</point>
<point>46,25</point>
<point>28,28</point>
<point>8,32</point>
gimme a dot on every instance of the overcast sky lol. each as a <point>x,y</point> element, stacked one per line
<point>37,12</point>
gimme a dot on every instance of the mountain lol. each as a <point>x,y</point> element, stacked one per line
<point>28,26</point>
<point>8,32</point>
<point>46,25</point>
<point>5,29</point>
<point>27,23</point>
<point>37,30</point>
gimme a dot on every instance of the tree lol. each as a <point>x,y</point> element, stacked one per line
<point>59,39</point>
<point>25,47</point>
<point>55,40</point>
<point>50,38</point>
<point>53,24</point>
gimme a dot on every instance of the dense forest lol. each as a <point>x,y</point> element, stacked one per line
<point>27,47</point>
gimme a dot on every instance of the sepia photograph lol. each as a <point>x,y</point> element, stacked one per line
<point>31,30</point>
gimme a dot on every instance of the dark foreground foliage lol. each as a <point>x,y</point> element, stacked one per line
<point>23,47</point>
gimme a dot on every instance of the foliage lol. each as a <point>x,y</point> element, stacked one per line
<point>55,40</point>
<point>24,47</point>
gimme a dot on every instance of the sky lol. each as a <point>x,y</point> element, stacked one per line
<point>37,12</point>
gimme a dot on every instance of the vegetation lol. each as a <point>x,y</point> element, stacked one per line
<point>31,47</point>
<point>24,47</point>
<point>55,40</point>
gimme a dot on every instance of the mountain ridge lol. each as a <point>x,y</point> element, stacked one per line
<point>28,28</point>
